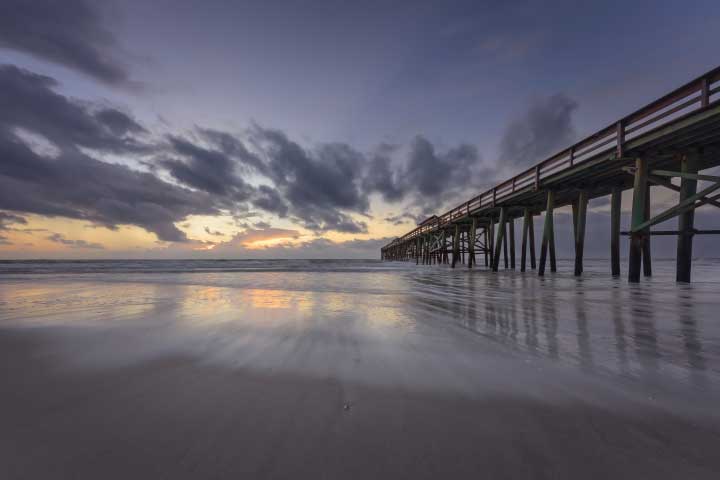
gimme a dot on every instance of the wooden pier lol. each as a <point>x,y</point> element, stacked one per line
<point>676,136</point>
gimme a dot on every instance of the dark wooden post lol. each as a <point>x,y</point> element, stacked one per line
<point>647,264</point>
<point>615,202</point>
<point>499,239</point>
<point>548,241</point>
<point>487,245</point>
<point>511,239</point>
<point>446,256</point>
<point>531,240</point>
<point>582,203</point>
<point>638,218</point>
<point>471,242</point>
<point>523,244</point>
<point>686,220</point>
<point>505,243</point>
<point>491,236</point>
<point>456,246</point>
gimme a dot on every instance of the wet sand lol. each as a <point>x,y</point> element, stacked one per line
<point>177,418</point>
<point>357,371</point>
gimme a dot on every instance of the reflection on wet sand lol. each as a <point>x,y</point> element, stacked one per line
<point>628,331</point>
<point>653,332</point>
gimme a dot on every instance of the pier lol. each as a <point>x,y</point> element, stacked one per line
<point>675,137</point>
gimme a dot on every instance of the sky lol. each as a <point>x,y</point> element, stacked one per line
<point>306,129</point>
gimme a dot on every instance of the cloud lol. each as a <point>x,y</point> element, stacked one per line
<point>319,188</point>
<point>7,219</point>
<point>429,177</point>
<point>248,237</point>
<point>68,32</point>
<point>29,102</point>
<point>434,174</point>
<point>323,188</point>
<point>382,178</point>
<point>268,199</point>
<point>74,184</point>
<point>404,218</point>
<point>543,130</point>
<point>208,170</point>
<point>58,238</point>
<point>213,232</point>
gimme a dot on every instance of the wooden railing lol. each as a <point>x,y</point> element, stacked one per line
<point>692,97</point>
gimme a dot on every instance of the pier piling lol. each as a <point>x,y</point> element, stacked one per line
<point>688,188</point>
<point>638,218</point>
<point>615,202</point>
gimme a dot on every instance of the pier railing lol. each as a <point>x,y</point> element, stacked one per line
<point>688,99</point>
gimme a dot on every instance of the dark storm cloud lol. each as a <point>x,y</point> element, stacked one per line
<point>118,122</point>
<point>381,177</point>
<point>233,147</point>
<point>543,130</point>
<point>29,101</point>
<point>429,177</point>
<point>67,32</point>
<point>208,170</point>
<point>57,238</point>
<point>433,173</point>
<point>73,184</point>
<point>318,187</point>
<point>269,199</point>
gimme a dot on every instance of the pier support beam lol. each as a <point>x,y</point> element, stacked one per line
<point>471,242</point>
<point>548,241</point>
<point>615,202</point>
<point>499,239</point>
<point>491,239</point>
<point>647,265</point>
<point>638,218</point>
<point>446,254</point>
<point>505,243</point>
<point>523,244</point>
<point>456,246</point>
<point>487,245</point>
<point>688,188</point>
<point>511,239</point>
<point>581,216</point>
<point>531,241</point>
